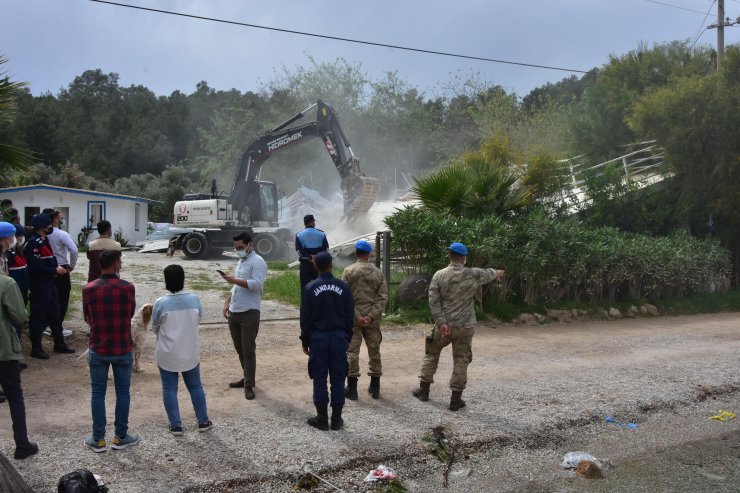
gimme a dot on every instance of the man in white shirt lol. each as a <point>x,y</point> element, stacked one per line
<point>242,308</point>
<point>65,251</point>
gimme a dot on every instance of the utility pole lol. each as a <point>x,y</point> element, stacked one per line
<point>720,32</point>
<point>722,21</point>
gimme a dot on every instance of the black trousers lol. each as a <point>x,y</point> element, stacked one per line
<point>307,273</point>
<point>10,381</point>
<point>64,286</point>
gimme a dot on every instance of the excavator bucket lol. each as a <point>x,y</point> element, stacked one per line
<point>360,193</point>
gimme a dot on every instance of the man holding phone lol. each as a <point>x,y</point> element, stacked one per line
<point>242,308</point>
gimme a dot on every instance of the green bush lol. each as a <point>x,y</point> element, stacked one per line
<point>549,261</point>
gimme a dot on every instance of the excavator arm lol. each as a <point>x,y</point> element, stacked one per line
<point>359,192</point>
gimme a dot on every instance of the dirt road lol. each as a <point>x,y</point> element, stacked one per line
<point>534,393</point>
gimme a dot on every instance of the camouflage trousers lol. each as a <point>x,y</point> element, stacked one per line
<point>462,354</point>
<point>373,337</point>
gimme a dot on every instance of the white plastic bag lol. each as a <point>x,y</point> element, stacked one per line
<point>571,459</point>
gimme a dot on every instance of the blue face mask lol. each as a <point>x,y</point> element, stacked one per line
<point>242,253</point>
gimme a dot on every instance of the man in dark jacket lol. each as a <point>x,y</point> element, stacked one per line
<point>42,269</point>
<point>327,323</point>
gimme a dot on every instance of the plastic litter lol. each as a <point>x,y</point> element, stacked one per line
<point>381,472</point>
<point>631,426</point>
<point>571,459</point>
<point>723,416</point>
<point>81,481</point>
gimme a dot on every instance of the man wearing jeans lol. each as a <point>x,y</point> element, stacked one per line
<point>108,304</point>
<point>242,308</point>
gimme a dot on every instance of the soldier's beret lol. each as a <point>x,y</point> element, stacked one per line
<point>6,230</point>
<point>363,246</point>
<point>458,248</point>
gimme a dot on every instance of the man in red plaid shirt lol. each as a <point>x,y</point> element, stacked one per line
<point>108,304</point>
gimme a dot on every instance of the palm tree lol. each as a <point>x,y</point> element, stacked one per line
<point>11,157</point>
<point>478,183</point>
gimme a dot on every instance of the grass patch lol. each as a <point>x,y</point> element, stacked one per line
<point>202,281</point>
<point>701,303</point>
<point>277,265</point>
<point>283,287</point>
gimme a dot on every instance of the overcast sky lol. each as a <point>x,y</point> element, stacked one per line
<point>49,42</point>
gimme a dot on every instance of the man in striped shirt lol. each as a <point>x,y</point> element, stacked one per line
<point>108,304</point>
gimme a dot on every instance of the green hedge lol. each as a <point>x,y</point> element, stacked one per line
<point>550,260</point>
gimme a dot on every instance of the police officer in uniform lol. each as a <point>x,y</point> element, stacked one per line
<point>451,299</point>
<point>370,295</point>
<point>327,319</point>
<point>308,242</point>
<point>42,268</point>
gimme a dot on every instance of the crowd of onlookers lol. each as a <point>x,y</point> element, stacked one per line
<point>36,260</point>
<point>336,316</point>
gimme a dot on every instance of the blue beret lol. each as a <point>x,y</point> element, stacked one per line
<point>458,248</point>
<point>322,259</point>
<point>363,246</point>
<point>40,221</point>
<point>20,230</point>
<point>6,230</point>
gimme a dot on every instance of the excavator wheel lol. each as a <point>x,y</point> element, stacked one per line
<point>195,245</point>
<point>268,246</point>
<point>360,193</point>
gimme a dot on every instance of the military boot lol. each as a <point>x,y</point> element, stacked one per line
<point>456,401</point>
<point>321,420</point>
<point>336,417</point>
<point>422,393</point>
<point>374,388</point>
<point>350,391</point>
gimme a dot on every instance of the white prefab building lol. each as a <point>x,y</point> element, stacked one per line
<point>83,208</point>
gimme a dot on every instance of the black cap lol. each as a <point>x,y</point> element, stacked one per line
<point>40,221</point>
<point>322,260</point>
<point>308,218</point>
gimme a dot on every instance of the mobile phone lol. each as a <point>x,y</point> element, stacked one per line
<point>221,272</point>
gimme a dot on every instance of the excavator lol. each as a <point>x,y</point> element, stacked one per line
<point>252,204</point>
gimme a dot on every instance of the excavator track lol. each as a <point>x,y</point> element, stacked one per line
<point>360,193</point>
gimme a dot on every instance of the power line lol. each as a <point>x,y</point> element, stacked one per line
<point>701,26</point>
<point>676,6</point>
<point>347,40</point>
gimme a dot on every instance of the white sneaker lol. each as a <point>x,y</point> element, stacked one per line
<point>65,332</point>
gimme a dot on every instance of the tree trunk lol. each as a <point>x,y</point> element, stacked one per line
<point>10,479</point>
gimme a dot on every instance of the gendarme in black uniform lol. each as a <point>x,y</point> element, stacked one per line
<point>327,323</point>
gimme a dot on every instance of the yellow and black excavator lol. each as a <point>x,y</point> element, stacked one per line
<point>253,204</point>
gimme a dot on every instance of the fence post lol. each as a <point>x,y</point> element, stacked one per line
<point>387,263</point>
<point>377,249</point>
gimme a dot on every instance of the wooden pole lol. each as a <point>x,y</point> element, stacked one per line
<point>720,33</point>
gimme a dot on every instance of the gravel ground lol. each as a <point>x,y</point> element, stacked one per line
<point>534,393</point>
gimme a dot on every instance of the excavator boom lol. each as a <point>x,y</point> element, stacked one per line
<point>359,191</point>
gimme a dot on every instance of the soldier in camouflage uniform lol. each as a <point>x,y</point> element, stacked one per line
<point>451,297</point>
<point>370,294</point>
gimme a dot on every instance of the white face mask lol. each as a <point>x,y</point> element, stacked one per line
<point>242,253</point>
<point>13,243</point>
